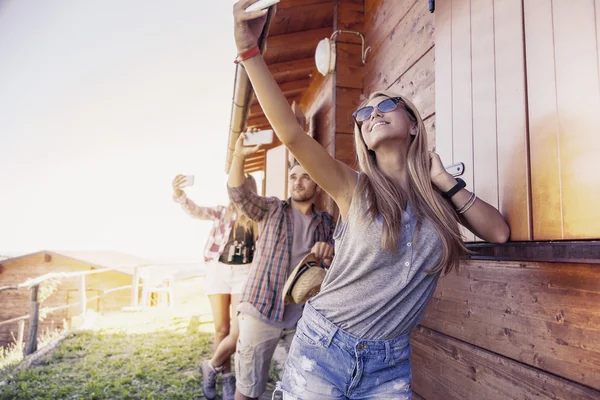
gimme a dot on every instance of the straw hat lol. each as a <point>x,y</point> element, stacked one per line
<point>304,282</point>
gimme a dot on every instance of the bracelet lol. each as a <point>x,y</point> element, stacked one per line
<point>468,204</point>
<point>244,55</point>
<point>455,189</point>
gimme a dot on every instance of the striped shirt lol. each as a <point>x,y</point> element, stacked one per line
<point>264,286</point>
<point>219,233</point>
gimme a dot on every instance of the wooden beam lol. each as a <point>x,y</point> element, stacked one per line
<point>302,18</point>
<point>298,38</point>
<point>286,66</point>
<point>292,70</point>
<point>254,169</point>
<point>298,4</point>
<point>251,159</point>
<point>256,109</point>
<point>564,251</point>
<point>254,164</point>
<point>293,46</point>
<point>259,120</point>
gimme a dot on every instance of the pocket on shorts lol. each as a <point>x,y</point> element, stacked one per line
<point>245,369</point>
<point>309,336</point>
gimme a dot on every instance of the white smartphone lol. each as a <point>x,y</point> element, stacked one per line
<point>261,5</point>
<point>260,137</point>
<point>189,180</point>
<point>456,169</point>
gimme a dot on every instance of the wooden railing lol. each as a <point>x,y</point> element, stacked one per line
<point>34,308</point>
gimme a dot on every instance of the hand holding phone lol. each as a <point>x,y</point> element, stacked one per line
<point>456,169</point>
<point>189,181</point>
<point>259,137</point>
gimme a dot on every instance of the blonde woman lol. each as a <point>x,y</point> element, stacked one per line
<point>228,255</point>
<point>398,232</point>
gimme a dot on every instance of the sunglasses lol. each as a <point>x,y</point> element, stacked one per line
<point>385,106</point>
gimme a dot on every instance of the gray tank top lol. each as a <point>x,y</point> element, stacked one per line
<point>375,294</point>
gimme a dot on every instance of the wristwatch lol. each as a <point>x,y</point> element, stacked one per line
<point>460,184</point>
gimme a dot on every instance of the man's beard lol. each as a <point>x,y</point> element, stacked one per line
<point>302,197</point>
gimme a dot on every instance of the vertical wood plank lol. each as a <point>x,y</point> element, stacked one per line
<point>511,117</point>
<point>20,333</point>
<point>277,169</point>
<point>485,162</point>
<point>578,100</point>
<point>34,314</point>
<point>82,295</point>
<point>135,287</point>
<point>443,81</point>
<point>543,121</point>
<point>597,14</point>
<point>462,111</point>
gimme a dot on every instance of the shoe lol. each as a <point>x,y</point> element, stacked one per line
<point>209,380</point>
<point>228,382</point>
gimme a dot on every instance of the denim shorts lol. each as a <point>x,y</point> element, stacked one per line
<point>326,362</point>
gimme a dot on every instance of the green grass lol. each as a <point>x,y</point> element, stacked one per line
<point>153,354</point>
<point>155,359</point>
<point>12,355</point>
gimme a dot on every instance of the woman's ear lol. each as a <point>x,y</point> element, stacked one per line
<point>413,130</point>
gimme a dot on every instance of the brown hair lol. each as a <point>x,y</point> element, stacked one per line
<point>383,196</point>
<point>242,219</point>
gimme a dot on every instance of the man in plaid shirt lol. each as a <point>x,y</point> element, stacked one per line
<point>289,230</point>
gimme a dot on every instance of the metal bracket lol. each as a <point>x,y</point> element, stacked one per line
<point>362,38</point>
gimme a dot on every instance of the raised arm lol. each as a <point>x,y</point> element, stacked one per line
<point>480,218</point>
<point>336,178</point>
<point>193,209</point>
<point>254,206</point>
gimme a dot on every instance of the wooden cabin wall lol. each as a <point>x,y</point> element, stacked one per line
<point>511,329</point>
<point>349,76</point>
<point>494,330</point>
<point>562,41</point>
<point>317,105</point>
<point>16,303</point>
<point>402,55</point>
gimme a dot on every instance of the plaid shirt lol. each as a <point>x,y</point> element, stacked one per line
<point>219,233</point>
<point>264,286</point>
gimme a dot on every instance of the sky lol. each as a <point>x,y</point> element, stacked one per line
<point>102,103</point>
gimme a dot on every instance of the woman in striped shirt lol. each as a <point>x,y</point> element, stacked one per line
<point>228,255</point>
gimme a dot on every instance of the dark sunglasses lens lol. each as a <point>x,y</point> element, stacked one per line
<point>364,113</point>
<point>387,105</point>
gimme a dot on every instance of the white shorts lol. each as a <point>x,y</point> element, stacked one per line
<point>225,278</point>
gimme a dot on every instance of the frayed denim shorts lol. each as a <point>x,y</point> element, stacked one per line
<point>326,362</point>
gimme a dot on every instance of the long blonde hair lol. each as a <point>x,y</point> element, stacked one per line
<point>241,218</point>
<point>385,197</point>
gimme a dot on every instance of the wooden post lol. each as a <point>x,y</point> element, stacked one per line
<point>34,313</point>
<point>21,333</point>
<point>135,287</point>
<point>82,297</point>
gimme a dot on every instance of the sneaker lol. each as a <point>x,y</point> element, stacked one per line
<point>209,380</point>
<point>228,386</point>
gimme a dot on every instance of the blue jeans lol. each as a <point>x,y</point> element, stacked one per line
<point>326,362</point>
